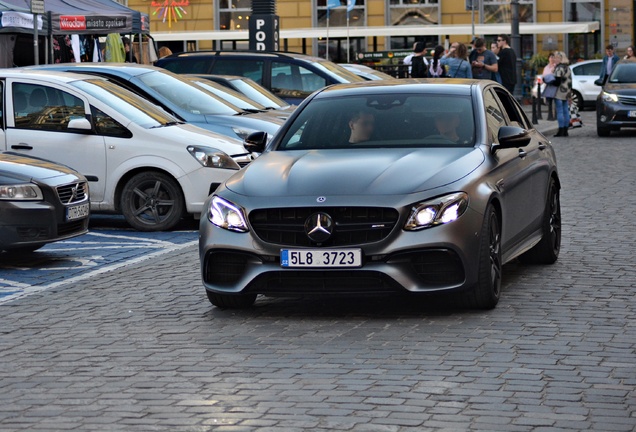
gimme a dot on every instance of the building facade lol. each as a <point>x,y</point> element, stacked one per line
<point>616,19</point>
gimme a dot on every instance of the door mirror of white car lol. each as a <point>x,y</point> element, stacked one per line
<point>79,124</point>
<point>512,137</point>
<point>255,142</point>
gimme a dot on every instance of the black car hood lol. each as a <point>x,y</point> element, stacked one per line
<point>23,168</point>
<point>354,172</point>
<point>627,89</point>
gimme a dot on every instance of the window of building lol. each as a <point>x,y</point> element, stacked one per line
<point>341,50</point>
<point>583,46</point>
<point>409,12</point>
<point>233,14</point>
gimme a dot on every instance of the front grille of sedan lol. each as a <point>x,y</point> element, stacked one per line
<point>353,225</point>
<point>319,282</point>
<point>627,100</point>
<point>72,227</point>
<point>72,193</point>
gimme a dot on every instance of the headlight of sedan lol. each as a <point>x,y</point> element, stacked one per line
<point>20,192</point>
<point>212,158</point>
<point>437,211</point>
<point>226,215</point>
<point>610,97</point>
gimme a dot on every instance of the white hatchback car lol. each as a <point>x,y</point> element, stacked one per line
<point>138,160</point>
<point>584,91</point>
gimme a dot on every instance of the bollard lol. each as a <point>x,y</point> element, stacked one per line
<point>539,104</point>
<point>534,111</point>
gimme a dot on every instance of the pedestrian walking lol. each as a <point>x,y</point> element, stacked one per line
<point>549,100</point>
<point>507,65</point>
<point>419,62</point>
<point>609,61</point>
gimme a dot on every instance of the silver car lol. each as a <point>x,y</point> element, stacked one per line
<point>384,187</point>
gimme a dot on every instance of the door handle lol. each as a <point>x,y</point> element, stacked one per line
<point>522,153</point>
<point>22,147</point>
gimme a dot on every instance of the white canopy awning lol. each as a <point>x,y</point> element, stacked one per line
<point>334,32</point>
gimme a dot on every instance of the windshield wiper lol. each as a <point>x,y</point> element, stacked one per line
<point>168,124</point>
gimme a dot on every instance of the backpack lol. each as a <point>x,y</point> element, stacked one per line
<point>436,72</point>
<point>418,69</point>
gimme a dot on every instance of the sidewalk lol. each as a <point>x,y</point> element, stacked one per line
<point>547,128</point>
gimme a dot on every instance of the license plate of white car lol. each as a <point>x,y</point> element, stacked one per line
<point>77,212</point>
<point>321,258</point>
<point>631,114</point>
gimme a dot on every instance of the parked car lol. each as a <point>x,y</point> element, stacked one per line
<point>388,187</point>
<point>584,91</point>
<point>366,72</point>
<point>184,100</point>
<point>290,76</point>
<point>237,99</point>
<point>40,202</point>
<point>250,89</point>
<point>616,105</point>
<point>138,159</point>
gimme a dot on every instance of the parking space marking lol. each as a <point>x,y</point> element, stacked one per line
<point>81,258</point>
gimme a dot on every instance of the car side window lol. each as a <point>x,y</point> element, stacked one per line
<point>495,118</point>
<point>514,112</point>
<point>1,105</point>
<point>242,67</point>
<point>44,108</point>
<point>293,80</point>
<point>190,65</point>
<point>107,126</point>
<point>587,69</point>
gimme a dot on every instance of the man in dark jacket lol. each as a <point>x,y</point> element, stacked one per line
<point>507,63</point>
<point>418,62</point>
<point>609,61</point>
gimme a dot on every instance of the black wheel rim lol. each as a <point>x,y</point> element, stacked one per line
<point>152,202</point>
<point>495,254</point>
<point>555,220</point>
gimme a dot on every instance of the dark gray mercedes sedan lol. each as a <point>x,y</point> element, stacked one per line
<point>411,186</point>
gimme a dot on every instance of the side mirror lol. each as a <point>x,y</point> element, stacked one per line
<point>79,124</point>
<point>512,137</point>
<point>255,142</point>
<point>598,82</point>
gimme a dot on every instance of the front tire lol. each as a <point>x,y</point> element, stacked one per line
<point>231,301</point>
<point>547,250</point>
<point>485,294</point>
<point>152,201</point>
<point>603,131</point>
<point>578,100</point>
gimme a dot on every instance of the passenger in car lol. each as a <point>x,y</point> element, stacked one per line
<point>447,124</point>
<point>361,124</point>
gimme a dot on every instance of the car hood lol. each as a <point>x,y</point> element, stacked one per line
<point>254,122</point>
<point>354,172</point>
<point>627,89</point>
<point>23,168</point>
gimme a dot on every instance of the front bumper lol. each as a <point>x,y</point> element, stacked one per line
<point>615,115</point>
<point>441,258</point>
<point>28,224</point>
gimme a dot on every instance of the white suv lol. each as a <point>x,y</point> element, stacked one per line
<point>138,160</point>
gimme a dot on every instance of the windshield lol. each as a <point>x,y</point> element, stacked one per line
<point>260,94</point>
<point>227,94</point>
<point>133,107</point>
<point>386,120</point>
<point>187,96</point>
<point>341,74</point>
<point>624,73</point>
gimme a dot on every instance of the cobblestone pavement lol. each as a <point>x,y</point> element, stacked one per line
<point>140,348</point>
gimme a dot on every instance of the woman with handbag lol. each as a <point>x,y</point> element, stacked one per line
<point>457,62</point>
<point>563,79</point>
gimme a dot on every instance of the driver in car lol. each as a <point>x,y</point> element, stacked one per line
<point>361,124</point>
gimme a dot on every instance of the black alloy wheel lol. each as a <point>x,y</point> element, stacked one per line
<point>152,201</point>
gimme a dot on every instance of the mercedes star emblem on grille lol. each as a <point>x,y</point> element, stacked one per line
<point>319,227</point>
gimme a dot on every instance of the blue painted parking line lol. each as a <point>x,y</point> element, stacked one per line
<point>98,251</point>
